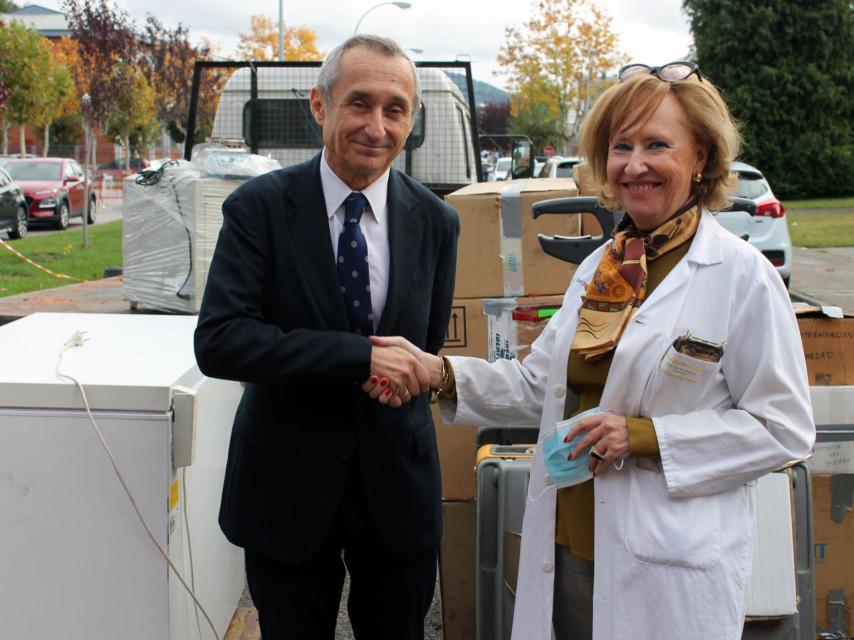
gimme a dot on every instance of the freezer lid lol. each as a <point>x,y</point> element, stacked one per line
<point>128,362</point>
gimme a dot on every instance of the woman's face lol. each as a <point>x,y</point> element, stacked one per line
<point>650,165</point>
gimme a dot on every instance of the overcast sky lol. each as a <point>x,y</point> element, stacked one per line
<point>651,31</point>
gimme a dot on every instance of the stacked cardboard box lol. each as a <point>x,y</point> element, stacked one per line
<point>828,339</point>
<point>506,288</point>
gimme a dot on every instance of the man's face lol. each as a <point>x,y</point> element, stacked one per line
<point>370,116</point>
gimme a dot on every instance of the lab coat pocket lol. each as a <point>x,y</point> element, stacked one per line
<point>678,384</point>
<point>676,532</point>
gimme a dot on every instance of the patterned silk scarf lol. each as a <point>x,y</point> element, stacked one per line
<point>619,285</point>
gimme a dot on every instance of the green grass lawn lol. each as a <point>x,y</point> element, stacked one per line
<point>62,253</point>
<point>821,203</point>
<point>821,228</point>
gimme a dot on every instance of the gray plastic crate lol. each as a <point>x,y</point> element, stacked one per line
<point>502,482</point>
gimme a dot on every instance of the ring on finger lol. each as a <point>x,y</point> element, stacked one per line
<point>596,455</point>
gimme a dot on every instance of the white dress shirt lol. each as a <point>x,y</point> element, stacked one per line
<point>374,226</point>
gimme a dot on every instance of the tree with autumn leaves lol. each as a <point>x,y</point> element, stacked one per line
<point>556,64</point>
<point>34,87</point>
<point>262,41</point>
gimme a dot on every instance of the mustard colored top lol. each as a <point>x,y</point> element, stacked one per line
<point>574,526</point>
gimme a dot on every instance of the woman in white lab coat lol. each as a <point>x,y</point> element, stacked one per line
<point>683,334</point>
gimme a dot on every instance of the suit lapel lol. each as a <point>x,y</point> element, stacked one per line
<point>405,224</point>
<point>309,228</point>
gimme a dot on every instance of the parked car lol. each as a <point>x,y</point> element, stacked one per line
<point>14,156</point>
<point>14,217</point>
<point>55,190</point>
<point>559,167</point>
<point>501,170</point>
<point>539,163</point>
<point>767,229</point>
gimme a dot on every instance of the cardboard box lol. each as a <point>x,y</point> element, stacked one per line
<point>833,526</point>
<point>832,405</point>
<point>499,254</point>
<point>582,173</point>
<point>458,569</point>
<point>828,338</point>
<point>484,329</point>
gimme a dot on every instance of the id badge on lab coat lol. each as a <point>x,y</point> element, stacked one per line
<point>692,359</point>
<point>679,382</point>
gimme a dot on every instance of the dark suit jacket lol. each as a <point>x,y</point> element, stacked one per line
<point>273,316</point>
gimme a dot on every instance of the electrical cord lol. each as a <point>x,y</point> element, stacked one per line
<point>189,543</point>
<point>151,177</point>
<point>76,340</point>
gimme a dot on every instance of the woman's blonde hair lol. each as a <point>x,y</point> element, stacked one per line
<point>632,102</point>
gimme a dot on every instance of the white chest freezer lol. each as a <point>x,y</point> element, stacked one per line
<point>75,563</point>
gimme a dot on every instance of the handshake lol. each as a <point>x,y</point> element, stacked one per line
<point>400,371</point>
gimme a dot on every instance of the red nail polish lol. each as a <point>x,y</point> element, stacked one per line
<point>374,379</point>
<point>383,382</point>
<point>569,457</point>
<point>387,392</point>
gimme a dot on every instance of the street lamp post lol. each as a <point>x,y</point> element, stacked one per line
<point>401,5</point>
<point>281,32</point>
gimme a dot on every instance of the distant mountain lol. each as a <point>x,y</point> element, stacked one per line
<point>483,91</point>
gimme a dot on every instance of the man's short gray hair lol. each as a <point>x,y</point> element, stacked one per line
<point>330,70</point>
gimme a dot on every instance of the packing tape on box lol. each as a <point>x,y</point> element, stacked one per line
<point>511,237</point>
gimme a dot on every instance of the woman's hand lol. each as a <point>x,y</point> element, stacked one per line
<point>380,390</point>
<point>608,434</point>
<point>383,390</point>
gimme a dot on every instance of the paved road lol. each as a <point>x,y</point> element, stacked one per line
<point>824,276</point>
<point>108,210</point>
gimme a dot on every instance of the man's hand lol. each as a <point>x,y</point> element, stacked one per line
<point>433,364</point>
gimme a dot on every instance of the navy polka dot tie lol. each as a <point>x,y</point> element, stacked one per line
<point>353,273</point>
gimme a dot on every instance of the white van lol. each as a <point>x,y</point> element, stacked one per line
<point>439,153</point>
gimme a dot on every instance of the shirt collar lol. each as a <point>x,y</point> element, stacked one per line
<point>335,190</point>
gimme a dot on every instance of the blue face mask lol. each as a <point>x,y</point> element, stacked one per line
<point>561,471</point>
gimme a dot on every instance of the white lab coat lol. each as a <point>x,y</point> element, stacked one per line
<point>672,540</point>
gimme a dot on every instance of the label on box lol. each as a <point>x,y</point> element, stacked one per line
<point>828,349</point>
<point>831,458</point>
<point>457,335</point>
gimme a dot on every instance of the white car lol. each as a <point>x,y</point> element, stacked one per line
<point>502,169</point>
<point>767,228</point>
<point>559,167</point>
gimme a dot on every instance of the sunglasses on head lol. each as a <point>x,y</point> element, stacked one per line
<point>670,72</point>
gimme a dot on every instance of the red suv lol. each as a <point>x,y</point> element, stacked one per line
<point>54,188</point>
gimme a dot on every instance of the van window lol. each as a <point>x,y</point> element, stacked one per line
<point>280,123</point>
<point>416,138</point>
<point>564,170</point>
<point>288,123</point>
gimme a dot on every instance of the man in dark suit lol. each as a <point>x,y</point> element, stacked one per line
<point>312,259</point>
